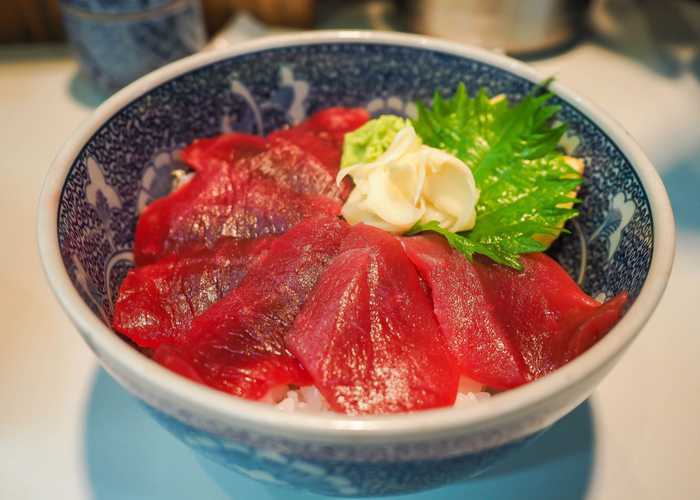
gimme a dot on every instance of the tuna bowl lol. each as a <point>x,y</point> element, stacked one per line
<point>122,157</point>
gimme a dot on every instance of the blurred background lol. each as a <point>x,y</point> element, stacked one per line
<point>117,41</point>
<point>67,431</point>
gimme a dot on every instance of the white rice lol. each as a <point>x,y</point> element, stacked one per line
<point>180,178</point>
<point>309,399</point>
<point>304,399</point>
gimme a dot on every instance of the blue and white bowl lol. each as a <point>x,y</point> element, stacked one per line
<point>121,159</point>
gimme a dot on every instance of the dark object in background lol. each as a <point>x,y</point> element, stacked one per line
<point>30,21</point>
<point>296,13</point>
<point>118,41</point>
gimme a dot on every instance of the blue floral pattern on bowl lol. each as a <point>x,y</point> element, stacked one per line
<point>337,476</point>
<point>128,163</point>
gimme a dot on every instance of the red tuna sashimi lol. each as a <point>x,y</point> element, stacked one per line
<point>550,319</point>
<point>238,343</point>
<point>475,337</point>
<point>278,159</point>
<point>157,302</point>
<point>226,147</point>
<point>367,334</point>
<point>250,375</point>
<point>322,134</point>
<point>289,166</point>
<point>595,326</point>
<point>173,359</point>
<point>216,203</point>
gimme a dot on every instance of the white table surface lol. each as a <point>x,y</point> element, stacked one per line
<point>67,431</point>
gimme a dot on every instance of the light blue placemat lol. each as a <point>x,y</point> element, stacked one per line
<point>128,456</point>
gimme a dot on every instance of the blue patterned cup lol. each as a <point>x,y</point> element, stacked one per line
<point>118,41</point>
<point>121,159</point>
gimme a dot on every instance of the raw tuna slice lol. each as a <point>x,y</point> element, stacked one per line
<point>216,203</point>
<point>158,302</point>
<point>289,166</point>
<point>550,319</point>
<point>322,134</point>
<point>475,337</point>
<point>367,334</point>
<point>238,343</point>
<point>226,147</point>
<point>595,326</point>
<point>173,358</point>
<point>256,158</point>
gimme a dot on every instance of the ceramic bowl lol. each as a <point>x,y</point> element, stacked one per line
<point>118,41</point>
<point>122,157</point>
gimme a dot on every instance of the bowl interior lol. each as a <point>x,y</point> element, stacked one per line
<point>128,161</point>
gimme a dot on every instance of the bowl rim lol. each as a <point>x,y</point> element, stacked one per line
<point>331,427</point>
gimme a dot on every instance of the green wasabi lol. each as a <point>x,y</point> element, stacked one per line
<point>368,142</point>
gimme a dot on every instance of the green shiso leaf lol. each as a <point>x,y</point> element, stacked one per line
<point>524,181</point>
